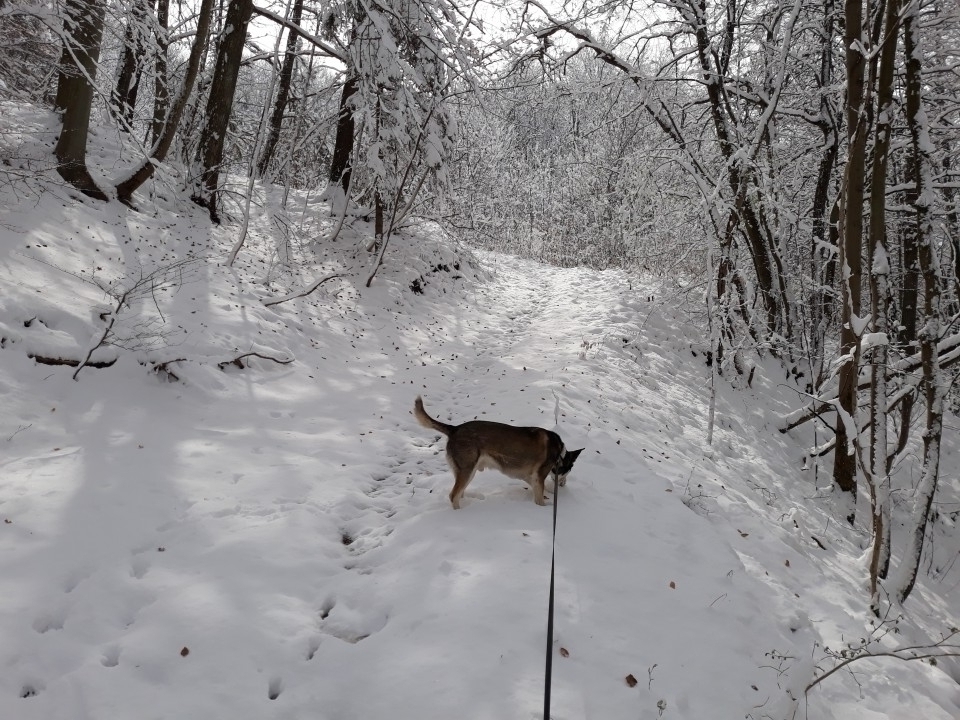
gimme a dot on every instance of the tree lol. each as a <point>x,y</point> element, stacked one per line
<point>161,91</point>
<point>283,91</point>
<point>220,104</point>
<point>82,35</point>
<point>340,162</point>
<point>877,471</point>
<point>851,223</point>
<point>165,134</point>
<point>929,335</point>
<point>131,61</point>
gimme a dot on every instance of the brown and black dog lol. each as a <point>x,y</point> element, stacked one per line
<point>524,453</point>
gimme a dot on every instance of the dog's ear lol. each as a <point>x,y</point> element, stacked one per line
<point>574,454</point>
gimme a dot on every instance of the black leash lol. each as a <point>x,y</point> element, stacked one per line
<point>548,672</point>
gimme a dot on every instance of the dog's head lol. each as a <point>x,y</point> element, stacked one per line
<point>564,465</point>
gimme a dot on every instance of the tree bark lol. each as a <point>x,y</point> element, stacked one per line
<point>340,168</point>
<point>161,90</point>
<point>83,28</point>
<point>844,466</point>
<point>220,104</point>
<point>283,91</point>
<point>929,334</point>
<point>879,480</point>
<point>823,273</point>
<point>128,79</point>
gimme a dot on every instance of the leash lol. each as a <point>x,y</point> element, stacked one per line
<point>548,670</point>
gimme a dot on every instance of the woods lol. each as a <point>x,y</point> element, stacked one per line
<point>793,161</point>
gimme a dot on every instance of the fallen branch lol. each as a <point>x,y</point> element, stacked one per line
<point>106,331</point>
<point>950,354</point>
<point>932,652</point>
<point>45,360</point>
<point>294,296</point>
<point>164,367</point>
<point>238,361</point>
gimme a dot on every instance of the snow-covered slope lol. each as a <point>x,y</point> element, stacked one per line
<point>185,536</point>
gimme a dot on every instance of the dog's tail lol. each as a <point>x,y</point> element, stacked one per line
<point>428,421</point>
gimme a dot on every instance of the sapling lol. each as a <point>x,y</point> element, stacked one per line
<point>145,286</point>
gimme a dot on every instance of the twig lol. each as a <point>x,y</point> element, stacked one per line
<point>106,331</point>
<point>945,647</point>
<point>293,296</point>
<point>19,430</point>
<point>396,199</point>
<point>896,654</point>
<point>164,367</point>
<point>238,361</point>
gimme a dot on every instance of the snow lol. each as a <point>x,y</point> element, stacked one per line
<point>872,340</point>
<point>184,537</point>
<point>859,324</point>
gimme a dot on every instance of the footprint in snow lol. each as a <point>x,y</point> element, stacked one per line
<point>74,578</point>
<point>274,688</point>
<point>351,625</point>
<point>111,657</point>
<point>53,620</point>
<point>139,567</point>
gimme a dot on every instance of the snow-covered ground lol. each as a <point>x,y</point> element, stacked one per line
<point>184,536</point>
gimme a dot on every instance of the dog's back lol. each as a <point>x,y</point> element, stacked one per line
<point>525,453</point>
<point>510,445</point>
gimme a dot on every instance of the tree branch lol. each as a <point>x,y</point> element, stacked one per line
<point>293,296</point>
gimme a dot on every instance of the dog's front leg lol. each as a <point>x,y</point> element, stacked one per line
<point>538,490</point>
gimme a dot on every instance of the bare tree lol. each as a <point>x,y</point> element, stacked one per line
<point>851,223</point>
<point>877,470</point>
<point>161,91</point>
<point>164,139</point>
<point>220,104</point>
<point>131,61</point>
<point>283,91</point>
<point>929,334</point>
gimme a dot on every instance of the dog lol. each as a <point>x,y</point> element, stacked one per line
<point>524,453</point>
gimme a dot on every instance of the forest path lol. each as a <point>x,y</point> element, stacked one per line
<point>556,348</point>
<point>277,541</point>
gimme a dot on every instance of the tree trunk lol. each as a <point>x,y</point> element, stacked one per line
<point>759,242</point>
<point>283,92</point>
<point>140,175</point>
<point>161,91</point>
<point>83,28</point>
<point>929,334</point>
<point>128,79</point>
<point>340,168</point>
<point>822,300</point>
<point>878,478</point>
<point>220,104</point>
<point>953,224</point>
<point>851,218</point>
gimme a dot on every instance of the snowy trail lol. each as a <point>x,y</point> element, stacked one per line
<point>397,570</point>
<point>277,541</point>
<point>532,339</point>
